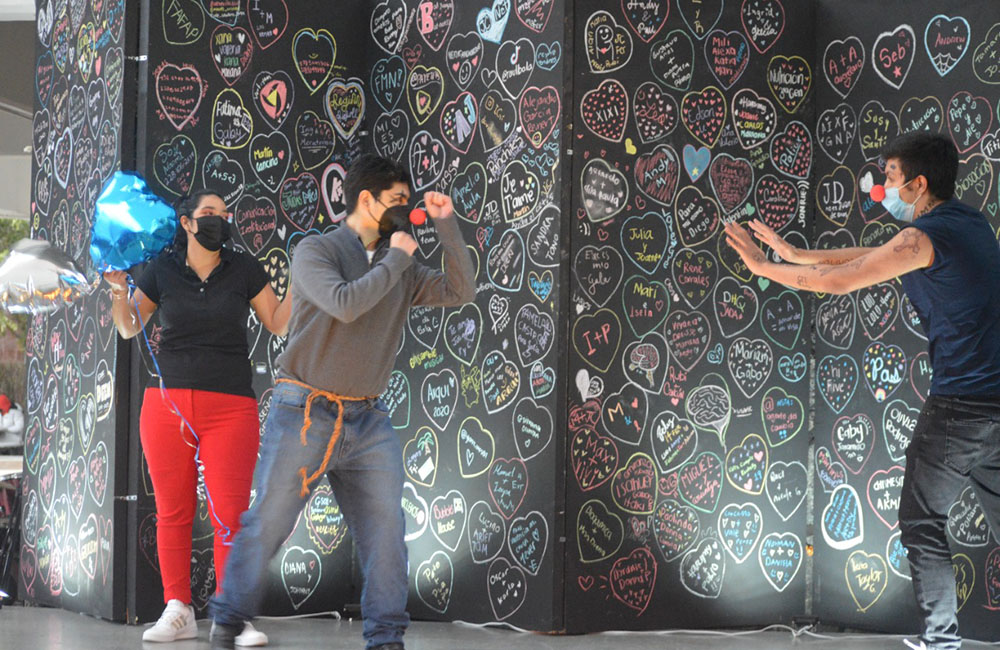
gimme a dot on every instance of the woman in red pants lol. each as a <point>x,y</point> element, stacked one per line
<point>204,293</point>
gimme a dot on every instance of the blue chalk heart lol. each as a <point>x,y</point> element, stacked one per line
<point>696,161</point>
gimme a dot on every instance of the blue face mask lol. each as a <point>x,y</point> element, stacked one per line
<point>896,206</point>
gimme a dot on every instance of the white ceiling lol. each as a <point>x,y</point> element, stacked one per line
<point>15,130</point>
<point>17,9</point>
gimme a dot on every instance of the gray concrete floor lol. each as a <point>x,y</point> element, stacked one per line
<point>37,628</point>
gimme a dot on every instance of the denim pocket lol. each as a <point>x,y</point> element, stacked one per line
<point>291,398</point>
<point>964,442</point>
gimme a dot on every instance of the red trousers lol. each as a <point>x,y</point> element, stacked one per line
<point>228,428</point>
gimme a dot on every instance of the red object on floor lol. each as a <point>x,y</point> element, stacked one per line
<point>228,428</point>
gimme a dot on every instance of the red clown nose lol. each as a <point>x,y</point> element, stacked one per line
<point>418,217</point>
<point>877,193</point>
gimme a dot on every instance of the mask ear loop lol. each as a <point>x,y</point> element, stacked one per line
<point>225,533</point>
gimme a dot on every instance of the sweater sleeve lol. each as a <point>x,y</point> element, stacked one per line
<point>319,280</point>
<point>456,285</point>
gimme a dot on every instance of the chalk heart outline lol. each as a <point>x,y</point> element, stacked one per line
<point>891,357</point>
<point>780,581</point>
<point>599,507</point>
<point>794,466</point>
<point>899,34</point>
<point>422,102</point>
<point>760,456</point>
<point>894,470</point>
<point>513,375</point>
<point>512,584</point>
<point>732,510</point>
<point>863,600</point>
<point>319,36</point>
<point>508,463</point>
<point>492,21</point>
<point>767,405</point>
<point>494,517</point>
<point>303,555</point>
<point>423,514</point>
<point>676,510</point>
<point>752,348</point>
<point>543,374</point>
<point>464,461</point>
<point>617,333</point>
<point>896,453</point>
<point>442,378</point>
<point>419,438</point>
<point>855,462</point>
<point>469,310</point>
<point>603,25</point>
<point>580,442</point>
<point>713,547</point>
<point>326,545</point>
<point>537,284</point>
<point>349,88</point>
<point>854,503</point>
<point>242,141</point>
<point>716,470</point>
<point>454,496</point>
<point>643,558</point>
<point>846,363</point>
<point>824,463</point>
<point>609,92</point>
<point>380,13</point>
<point>523,445</point>
<point>629,471</point>
<point>534,520</point>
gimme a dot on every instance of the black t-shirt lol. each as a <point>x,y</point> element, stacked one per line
<point>203,344</point>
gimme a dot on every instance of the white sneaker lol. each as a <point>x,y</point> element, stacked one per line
<point>249,637</point>
<point>916,645</point>
<point>176,623</point>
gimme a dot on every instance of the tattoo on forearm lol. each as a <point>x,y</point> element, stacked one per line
<point>911,242</point>
<point>802,281</point>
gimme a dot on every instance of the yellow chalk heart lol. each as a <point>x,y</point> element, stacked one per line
<point>629,147</point>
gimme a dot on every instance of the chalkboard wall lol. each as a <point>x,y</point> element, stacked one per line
<point>626,429</point>
<point>72,531</point>
<point>909,66</point>
<point>687,438</point>
<point>262,101</point>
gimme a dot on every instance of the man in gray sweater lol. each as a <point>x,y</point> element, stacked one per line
<point>353,288</point>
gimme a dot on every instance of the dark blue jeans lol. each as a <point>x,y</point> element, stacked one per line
<point>366,474</point>
<point>956,441</point>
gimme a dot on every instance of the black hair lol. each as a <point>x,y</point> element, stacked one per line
<point>185,206</point>
<point>931,155</point>
<point>373,173</point>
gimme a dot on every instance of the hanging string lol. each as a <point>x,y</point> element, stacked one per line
<point>222,530</point>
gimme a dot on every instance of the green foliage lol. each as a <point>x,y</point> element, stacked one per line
<point>11,230</point>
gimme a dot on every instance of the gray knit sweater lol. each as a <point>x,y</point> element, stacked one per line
<point>348,316</point>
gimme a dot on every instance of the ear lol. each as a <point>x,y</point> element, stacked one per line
<point>364,196</point>
<point>189,224</point>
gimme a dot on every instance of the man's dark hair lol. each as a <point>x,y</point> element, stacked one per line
<point>930,155</point>
<point>373,173</point>
<point>185,207</point>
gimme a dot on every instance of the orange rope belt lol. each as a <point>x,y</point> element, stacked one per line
<point>337,427</point>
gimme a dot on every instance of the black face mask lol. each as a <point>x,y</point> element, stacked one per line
<point>212,231</point>
<point>396,217</point>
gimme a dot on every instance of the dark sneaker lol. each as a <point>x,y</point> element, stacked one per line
<point>223,637</point>
<point>396,645</point>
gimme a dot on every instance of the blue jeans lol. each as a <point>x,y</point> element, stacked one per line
<point>956,442</point>
<point>366,474</point>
